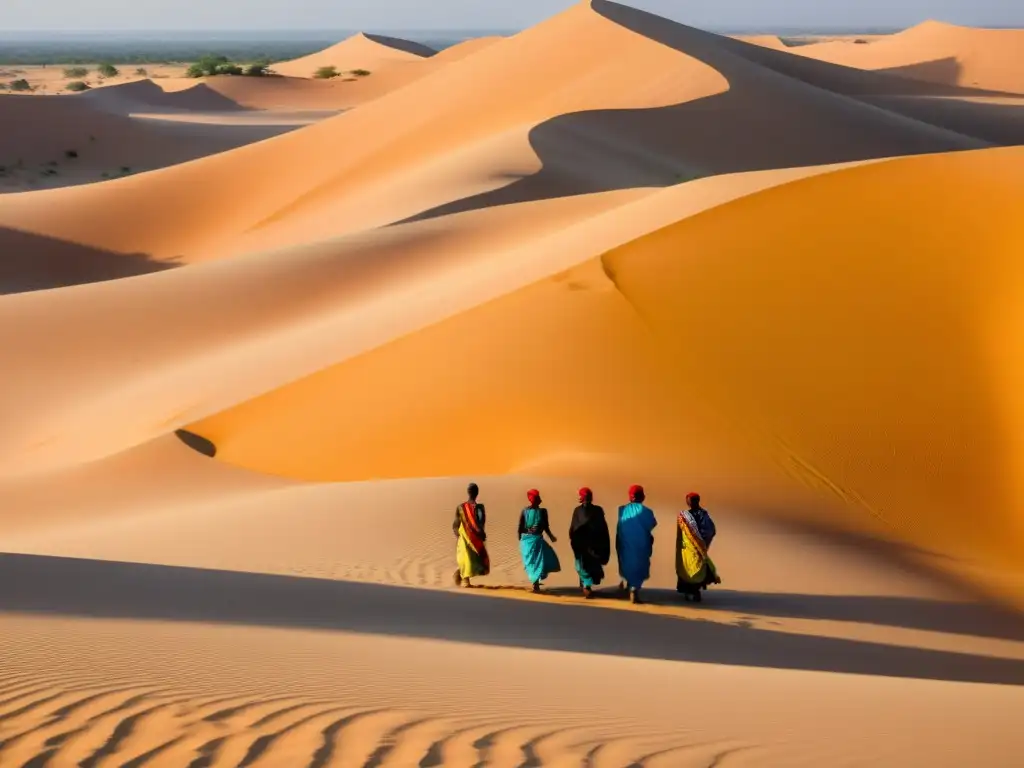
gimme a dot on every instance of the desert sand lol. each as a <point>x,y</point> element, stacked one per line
<point>246,386</point>
<point>935,52</point>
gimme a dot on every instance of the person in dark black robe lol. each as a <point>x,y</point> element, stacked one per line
<point>591,543</point>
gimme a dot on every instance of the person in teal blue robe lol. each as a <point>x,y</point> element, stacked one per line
<point>539,559</point>
<point>634,543</point>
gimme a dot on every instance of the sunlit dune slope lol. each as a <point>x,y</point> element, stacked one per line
<point>465,48</point>
<point>342,92</point>
<point>877,368</point>
<point>323,302</point>
<point>936,52</point>
<point>514,121</point>
<point>361,51</point>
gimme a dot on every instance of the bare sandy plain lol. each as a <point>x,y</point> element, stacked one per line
<point>245,386</point>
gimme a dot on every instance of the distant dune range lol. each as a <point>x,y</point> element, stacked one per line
<point>608,249</point>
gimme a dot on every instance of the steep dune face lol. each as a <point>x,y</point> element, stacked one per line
<point>518,120</point>
<point>878,361</point>
<point>937,53</point>
<point>361,51</point>
<point>872,370</point>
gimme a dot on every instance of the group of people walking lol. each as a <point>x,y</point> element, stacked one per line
<point>590,540</point>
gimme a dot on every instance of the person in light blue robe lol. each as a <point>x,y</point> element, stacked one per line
<point>634,543</point>
<point>539,559</point>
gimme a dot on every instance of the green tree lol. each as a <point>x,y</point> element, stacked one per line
<point>107,70</point>
<point>258,69</point>
<point>326,73</point>
<point>211,64</point>
<point>76,73</point>
<point>21,85</point>
<point>77,86</point>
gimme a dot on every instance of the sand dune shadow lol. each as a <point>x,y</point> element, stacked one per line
<point>91,588</point>
<point>31,262</point>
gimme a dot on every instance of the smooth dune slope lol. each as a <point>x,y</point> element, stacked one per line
<point>325,302</point>
<point>514,121</point>
<point>936,52</point>
<point>231,618</point>
<point>361,51</point>
<point>876,371</point>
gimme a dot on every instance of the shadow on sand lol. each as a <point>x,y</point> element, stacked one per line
<point>197,443</point>
<point>71,587</point>
<point>30,262</point>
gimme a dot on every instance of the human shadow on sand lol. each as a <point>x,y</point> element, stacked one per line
<point>31,262</point>
<point>958,618</point>
<point>89,588</point>
<point>779,111</point>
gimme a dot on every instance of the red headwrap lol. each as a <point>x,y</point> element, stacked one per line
<point>533,495</point>
<point>636,493</point>
<point>692,496</point>
<point>586,495</point>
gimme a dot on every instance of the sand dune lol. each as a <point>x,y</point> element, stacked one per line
<point>545,129</point>
<point>308,584</point>
<point>938,53</point>
<point>600,313</point>
<point>243,393</point>
<point>361,51</point>
<point>68,141</point>
<point>767,41</point>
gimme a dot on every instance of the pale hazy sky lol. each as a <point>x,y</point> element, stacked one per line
<point>382,15</point>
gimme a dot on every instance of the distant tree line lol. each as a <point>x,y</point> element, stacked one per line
<point>69,53</point>
<point>212,65</point>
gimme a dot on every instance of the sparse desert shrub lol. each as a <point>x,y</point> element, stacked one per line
<point>258,69</point>
<point>77,86</point>
<point>107,70</point>
<point>208,66</point>
<point>21,85</point>
<point>141,72</point>
<point>76,73</point>
<point>4,86</point>
<point>360,72</point>
<point>326,73</point>
<point>71,154</point>
<point>860,41</point>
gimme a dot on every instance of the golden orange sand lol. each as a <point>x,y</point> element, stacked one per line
<point>609,249</point>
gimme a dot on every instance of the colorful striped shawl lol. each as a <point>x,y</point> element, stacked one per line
<point>471,526</point>
<point>688,525</point>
